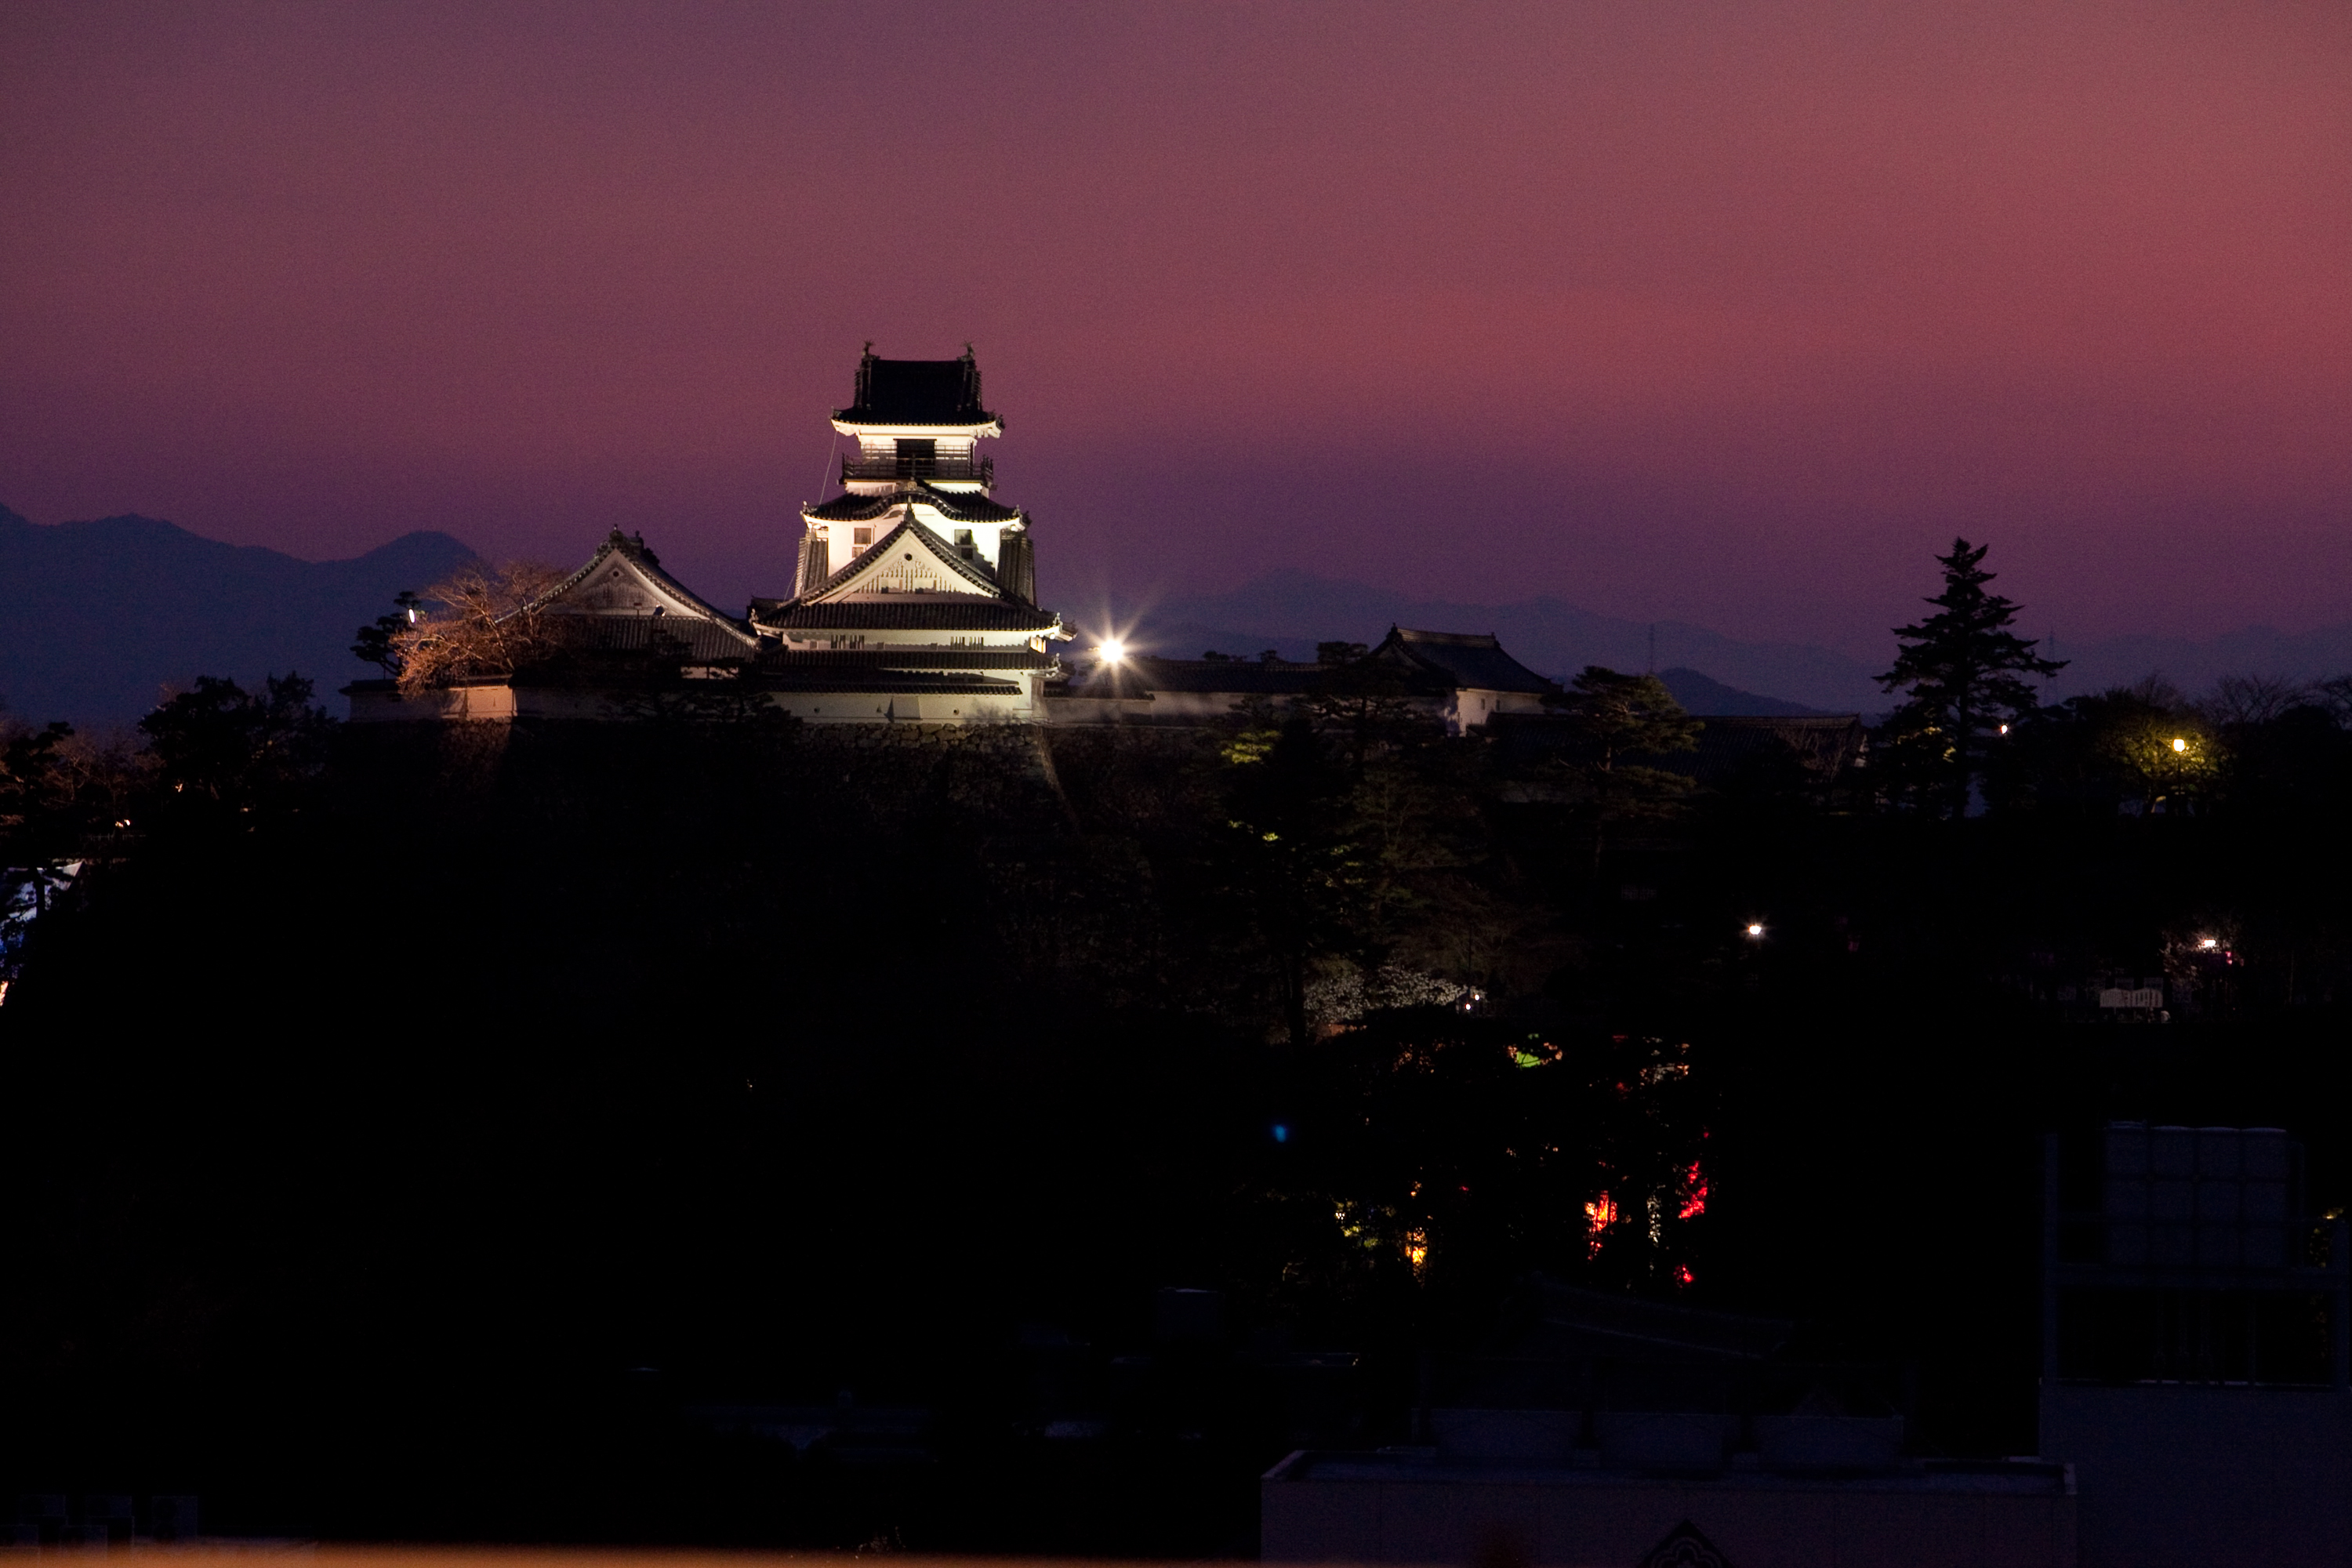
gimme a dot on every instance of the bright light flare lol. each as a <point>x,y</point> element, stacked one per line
<point>1111,650</point>
<point>2208,944</point>
<point>2178,744</point>
<point>1755,928</point>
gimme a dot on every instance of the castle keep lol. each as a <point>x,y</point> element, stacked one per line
<point>914,601</point>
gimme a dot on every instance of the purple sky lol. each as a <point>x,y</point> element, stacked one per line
<point>1730,313</point>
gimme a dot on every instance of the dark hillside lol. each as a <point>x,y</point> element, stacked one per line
<point>444,1149</point>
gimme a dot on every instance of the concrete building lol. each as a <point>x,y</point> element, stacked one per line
<point>2196,1350</point>
<point>1609,1430</point>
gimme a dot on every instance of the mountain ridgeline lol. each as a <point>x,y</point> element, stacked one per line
<point>97,618</point>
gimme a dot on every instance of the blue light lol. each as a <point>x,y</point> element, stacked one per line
<point>1281,1132</point>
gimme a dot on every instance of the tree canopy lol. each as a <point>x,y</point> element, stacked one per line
<point>1964,673</point>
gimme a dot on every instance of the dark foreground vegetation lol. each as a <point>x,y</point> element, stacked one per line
<point>490,1132</point>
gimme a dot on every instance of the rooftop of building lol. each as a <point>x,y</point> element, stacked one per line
<point>919,393</point>
<point>1474,660</point>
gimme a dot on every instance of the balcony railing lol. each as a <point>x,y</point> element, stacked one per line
<point>953,470</point>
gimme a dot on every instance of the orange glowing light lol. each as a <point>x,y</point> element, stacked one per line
<point>1600,1213</point>
<point>1416,1251</point>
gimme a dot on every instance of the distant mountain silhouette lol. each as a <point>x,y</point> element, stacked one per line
<point>1702,694</point>
<point>96,618</point>
<point>1291,611</point>
<point>2193,666</point>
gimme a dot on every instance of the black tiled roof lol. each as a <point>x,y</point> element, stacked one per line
<point>917,392</point>
<point>702,640</point>
<point>1472,660</point>
<point>959,613</point>
<point>959,506</point>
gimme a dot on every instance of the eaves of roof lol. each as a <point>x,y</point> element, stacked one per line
<point>903,614</point>
<point>956,506</point>
<point>711,639</point>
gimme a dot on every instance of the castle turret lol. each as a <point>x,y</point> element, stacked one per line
<point>915,566</point>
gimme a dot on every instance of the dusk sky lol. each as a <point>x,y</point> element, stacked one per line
<point>1730,313</point>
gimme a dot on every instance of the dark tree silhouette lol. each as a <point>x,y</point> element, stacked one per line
<point>1965,672</point>
<point>1615,717</point>
<point>376,643</point>
<point>225,753</point>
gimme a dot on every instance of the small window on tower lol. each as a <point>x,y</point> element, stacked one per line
<point>963,542</point>
<point>919,457</point>
<point>859,538</point>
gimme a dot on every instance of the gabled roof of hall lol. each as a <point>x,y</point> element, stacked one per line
<point>1474,660</point>
<point>957,505</point>
<point>908,536</point>
<point>636,559</point>
<point>917,392</point>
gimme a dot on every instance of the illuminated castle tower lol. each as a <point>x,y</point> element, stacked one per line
<point>914,587</point>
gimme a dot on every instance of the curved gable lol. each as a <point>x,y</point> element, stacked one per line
<point>909,559</point>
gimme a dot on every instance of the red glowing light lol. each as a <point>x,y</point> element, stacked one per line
<point>1683,1275</point>
<point>1693,1193</point>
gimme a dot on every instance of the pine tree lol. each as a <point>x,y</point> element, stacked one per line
<point>1615,717</point>
<point>1965,672</point>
